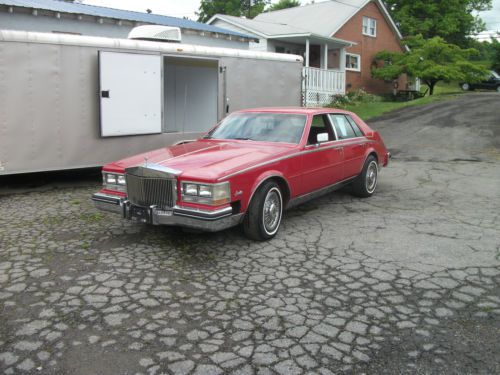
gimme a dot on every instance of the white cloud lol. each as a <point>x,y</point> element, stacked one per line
<point>492,17</point>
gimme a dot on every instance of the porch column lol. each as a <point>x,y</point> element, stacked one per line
<point>324,56</point>
<point>342,62</point>
<point>307,53</point>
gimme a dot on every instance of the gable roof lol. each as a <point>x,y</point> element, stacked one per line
<point>120,14</point>
<point>271,30</point>
<point>323,19</point>
<point>260,28</point>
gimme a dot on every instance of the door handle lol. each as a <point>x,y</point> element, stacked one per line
<point>105,94</point>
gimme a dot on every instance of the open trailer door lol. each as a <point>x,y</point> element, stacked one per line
<point>130,93</point>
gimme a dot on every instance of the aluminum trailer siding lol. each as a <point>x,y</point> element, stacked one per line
<point>51,100</point>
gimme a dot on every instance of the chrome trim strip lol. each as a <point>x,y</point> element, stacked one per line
<point>258,165</point>
<point>195,212</point>
<point>107,198</point>
<point>347,142</point>
<point>317,193</point>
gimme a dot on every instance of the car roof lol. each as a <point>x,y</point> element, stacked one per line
<point>293,110</point>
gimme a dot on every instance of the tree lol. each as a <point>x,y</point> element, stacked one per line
<point>247,8</point>
<point>495,54</point>
<point>431,60</point>
<point>453,20</point>
<point>284,4</point>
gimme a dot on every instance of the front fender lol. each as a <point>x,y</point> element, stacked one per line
<point>263,177</point>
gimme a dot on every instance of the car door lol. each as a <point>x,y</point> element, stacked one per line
<point>491,83</point>
<point>321,162</point>
<point>353,142</point>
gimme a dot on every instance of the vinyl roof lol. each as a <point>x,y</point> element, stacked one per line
<point>91,10</point>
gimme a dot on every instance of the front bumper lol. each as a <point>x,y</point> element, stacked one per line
<point>211,221</point>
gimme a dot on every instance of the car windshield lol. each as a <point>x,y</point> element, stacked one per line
<point>267,127</point>
<point>495,74</point>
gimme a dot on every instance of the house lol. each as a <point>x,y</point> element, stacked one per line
<point>338,40</point>
<point>55,16</point>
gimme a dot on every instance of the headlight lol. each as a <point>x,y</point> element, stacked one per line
<point>121,180</point>
<point>205,191</point>
<point>212,194</point>
<point>114,181</point>
<point>111,179</point>
<point>190,189</point>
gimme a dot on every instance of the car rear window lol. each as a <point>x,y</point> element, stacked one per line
<point>342,126</point>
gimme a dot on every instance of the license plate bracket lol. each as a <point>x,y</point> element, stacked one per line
<point>141,214</point>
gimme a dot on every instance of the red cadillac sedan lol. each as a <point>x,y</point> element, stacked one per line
<point>246,170</point>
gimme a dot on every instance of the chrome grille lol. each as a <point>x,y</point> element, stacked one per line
<point>151,191</point>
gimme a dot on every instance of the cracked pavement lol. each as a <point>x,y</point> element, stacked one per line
<point>407,281</point>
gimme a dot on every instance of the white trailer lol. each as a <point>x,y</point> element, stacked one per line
<point>70,101</point>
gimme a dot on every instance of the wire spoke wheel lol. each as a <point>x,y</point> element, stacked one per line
<point>272,211</point>
<point>371,177</point>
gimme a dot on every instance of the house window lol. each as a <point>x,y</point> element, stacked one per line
<point>352,62</point>
<point>369,26</point>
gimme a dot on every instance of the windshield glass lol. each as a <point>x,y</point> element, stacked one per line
<point>494,74</point>
<point>268,127</point>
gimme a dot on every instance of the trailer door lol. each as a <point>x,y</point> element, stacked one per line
<point>130,93</point>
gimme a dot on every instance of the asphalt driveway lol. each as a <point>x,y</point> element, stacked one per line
<point>407,281</point>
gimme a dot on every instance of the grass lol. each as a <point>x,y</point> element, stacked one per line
<point>371,109</point>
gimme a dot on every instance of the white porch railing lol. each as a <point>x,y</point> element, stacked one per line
<point>319,86</point>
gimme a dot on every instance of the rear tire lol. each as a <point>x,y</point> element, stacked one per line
<point>365,184</point>
<point>263,217</point>
<point>498,88</point>
<point>465,86</point>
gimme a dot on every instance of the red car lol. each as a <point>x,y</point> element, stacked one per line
<point>246,170</point>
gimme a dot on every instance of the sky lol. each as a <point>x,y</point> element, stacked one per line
<point>187,8</point>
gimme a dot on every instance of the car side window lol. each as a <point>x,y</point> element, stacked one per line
<point>320,124</point>
<point>355,126</point>
<point>342,126</point>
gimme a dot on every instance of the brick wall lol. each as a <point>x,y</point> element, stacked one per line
<point>367,47</point>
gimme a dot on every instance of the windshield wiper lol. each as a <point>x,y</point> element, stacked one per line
<point>242,139</point>
<point>207,137</point>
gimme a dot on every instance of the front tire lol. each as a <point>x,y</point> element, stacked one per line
<point>263,217</point>
<point>498,88</point>
<point>465,86</point>
<point>365,184</point>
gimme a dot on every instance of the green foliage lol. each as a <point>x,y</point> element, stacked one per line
<point>209,8</point>
<point>489,53</point>
<point>431,60</point>
<point>377,106</point>
<point>453,20</point>
<point>495,54</point>
<point>284,4</point>
<point>352,98</point>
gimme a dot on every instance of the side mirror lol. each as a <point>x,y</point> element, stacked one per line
<point>322,137</point>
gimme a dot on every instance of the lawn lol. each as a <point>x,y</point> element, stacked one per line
<point>369,109</point>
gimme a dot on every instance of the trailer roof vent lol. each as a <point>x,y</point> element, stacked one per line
<point>156,33</point>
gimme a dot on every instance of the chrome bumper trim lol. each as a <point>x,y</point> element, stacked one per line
<point>106,202</point>
<point>211,221</point>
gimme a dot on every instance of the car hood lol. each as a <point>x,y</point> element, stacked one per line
<point>207,159</point>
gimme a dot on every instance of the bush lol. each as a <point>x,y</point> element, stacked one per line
<point>352,98</point>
